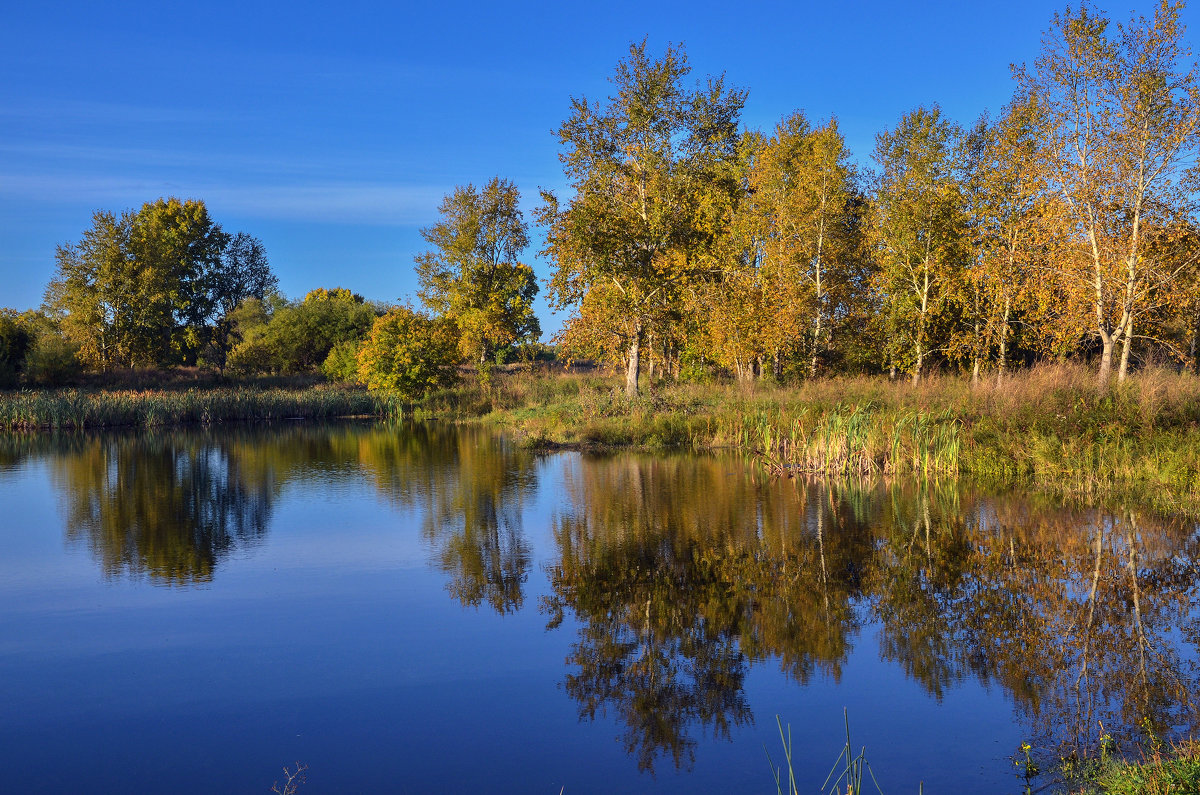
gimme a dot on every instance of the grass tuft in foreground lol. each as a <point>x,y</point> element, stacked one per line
<point>852,769</point>
<point>1165,770</point>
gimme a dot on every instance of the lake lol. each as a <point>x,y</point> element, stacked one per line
<point>422,608</point>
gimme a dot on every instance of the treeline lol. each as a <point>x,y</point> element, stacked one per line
<point>1065,226</point>
<point>156,287</point>
<point>165,286</point>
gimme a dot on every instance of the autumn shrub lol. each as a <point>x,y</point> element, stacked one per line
<point>409,354</point>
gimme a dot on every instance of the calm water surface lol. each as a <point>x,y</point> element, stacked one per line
<point>431,609</point>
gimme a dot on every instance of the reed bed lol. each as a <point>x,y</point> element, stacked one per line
<point>78,409</point>
<point>1048,425</point>
<point>850,440</point>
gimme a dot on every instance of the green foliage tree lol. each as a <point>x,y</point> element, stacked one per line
<point>472,275</point>
<point>409,353</point>
<point>243,274</point>
<point>653,172</point>
<point>298,337</point>
<point>135,290</point>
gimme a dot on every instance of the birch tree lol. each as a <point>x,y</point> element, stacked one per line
<point>472,274</point>
<point>918,228</point>
<point>1119,117</point>
<point>802,187</point>
<point>651,168</point>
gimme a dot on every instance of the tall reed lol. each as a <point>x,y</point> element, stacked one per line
<point>76,409</point>
<point>850,440</point>
<point>851,768</point>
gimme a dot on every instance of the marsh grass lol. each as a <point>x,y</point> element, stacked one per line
<point>1048,424</point>
<point>1162,769</point>
<point>1172,770</point>
<point>78,409</point>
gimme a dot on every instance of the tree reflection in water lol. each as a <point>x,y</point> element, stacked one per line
<point>166,505</point>
<point>470,487</point>
<point>171,505</point>
<point>682,572</point>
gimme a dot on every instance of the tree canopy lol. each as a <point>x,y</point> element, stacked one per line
<point>472,274</point>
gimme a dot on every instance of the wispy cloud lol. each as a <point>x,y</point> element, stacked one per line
<point>361,203</point>
<point>115,113</point>
<point>60,156</point>
<point>370,203</point>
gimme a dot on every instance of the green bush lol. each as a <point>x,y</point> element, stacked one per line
<point>409,354</point>
<point>341,365</point>
<point>15,342</point>
<point>52,361</point>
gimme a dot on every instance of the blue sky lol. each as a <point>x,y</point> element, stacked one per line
<point>332,131</point>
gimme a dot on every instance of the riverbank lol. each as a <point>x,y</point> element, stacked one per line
<point>1162,769</point>
<point>1048,426</point>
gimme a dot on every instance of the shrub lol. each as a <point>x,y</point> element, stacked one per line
<point>15,342</point>
<point>409,353</point>
<point>341,365</point>
<point>252,357</point>
<point>52,361</point>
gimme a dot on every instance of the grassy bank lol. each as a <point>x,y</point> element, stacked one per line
<point>1162,770</point>
<point>79,409</point>
<point>1049,425</point>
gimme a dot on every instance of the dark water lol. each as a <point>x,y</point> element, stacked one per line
<point>429,609</point>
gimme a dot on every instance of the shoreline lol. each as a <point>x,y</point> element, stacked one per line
<point>1048,427</point>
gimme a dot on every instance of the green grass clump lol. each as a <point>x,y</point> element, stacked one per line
<point>1173,770</point>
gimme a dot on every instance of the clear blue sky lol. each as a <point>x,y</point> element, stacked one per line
<point>331,131</point>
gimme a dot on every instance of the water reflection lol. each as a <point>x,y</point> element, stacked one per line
<point>471,488</point>
<point>167,506</point>
<point>682,572</point>
<point>171,505</point>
